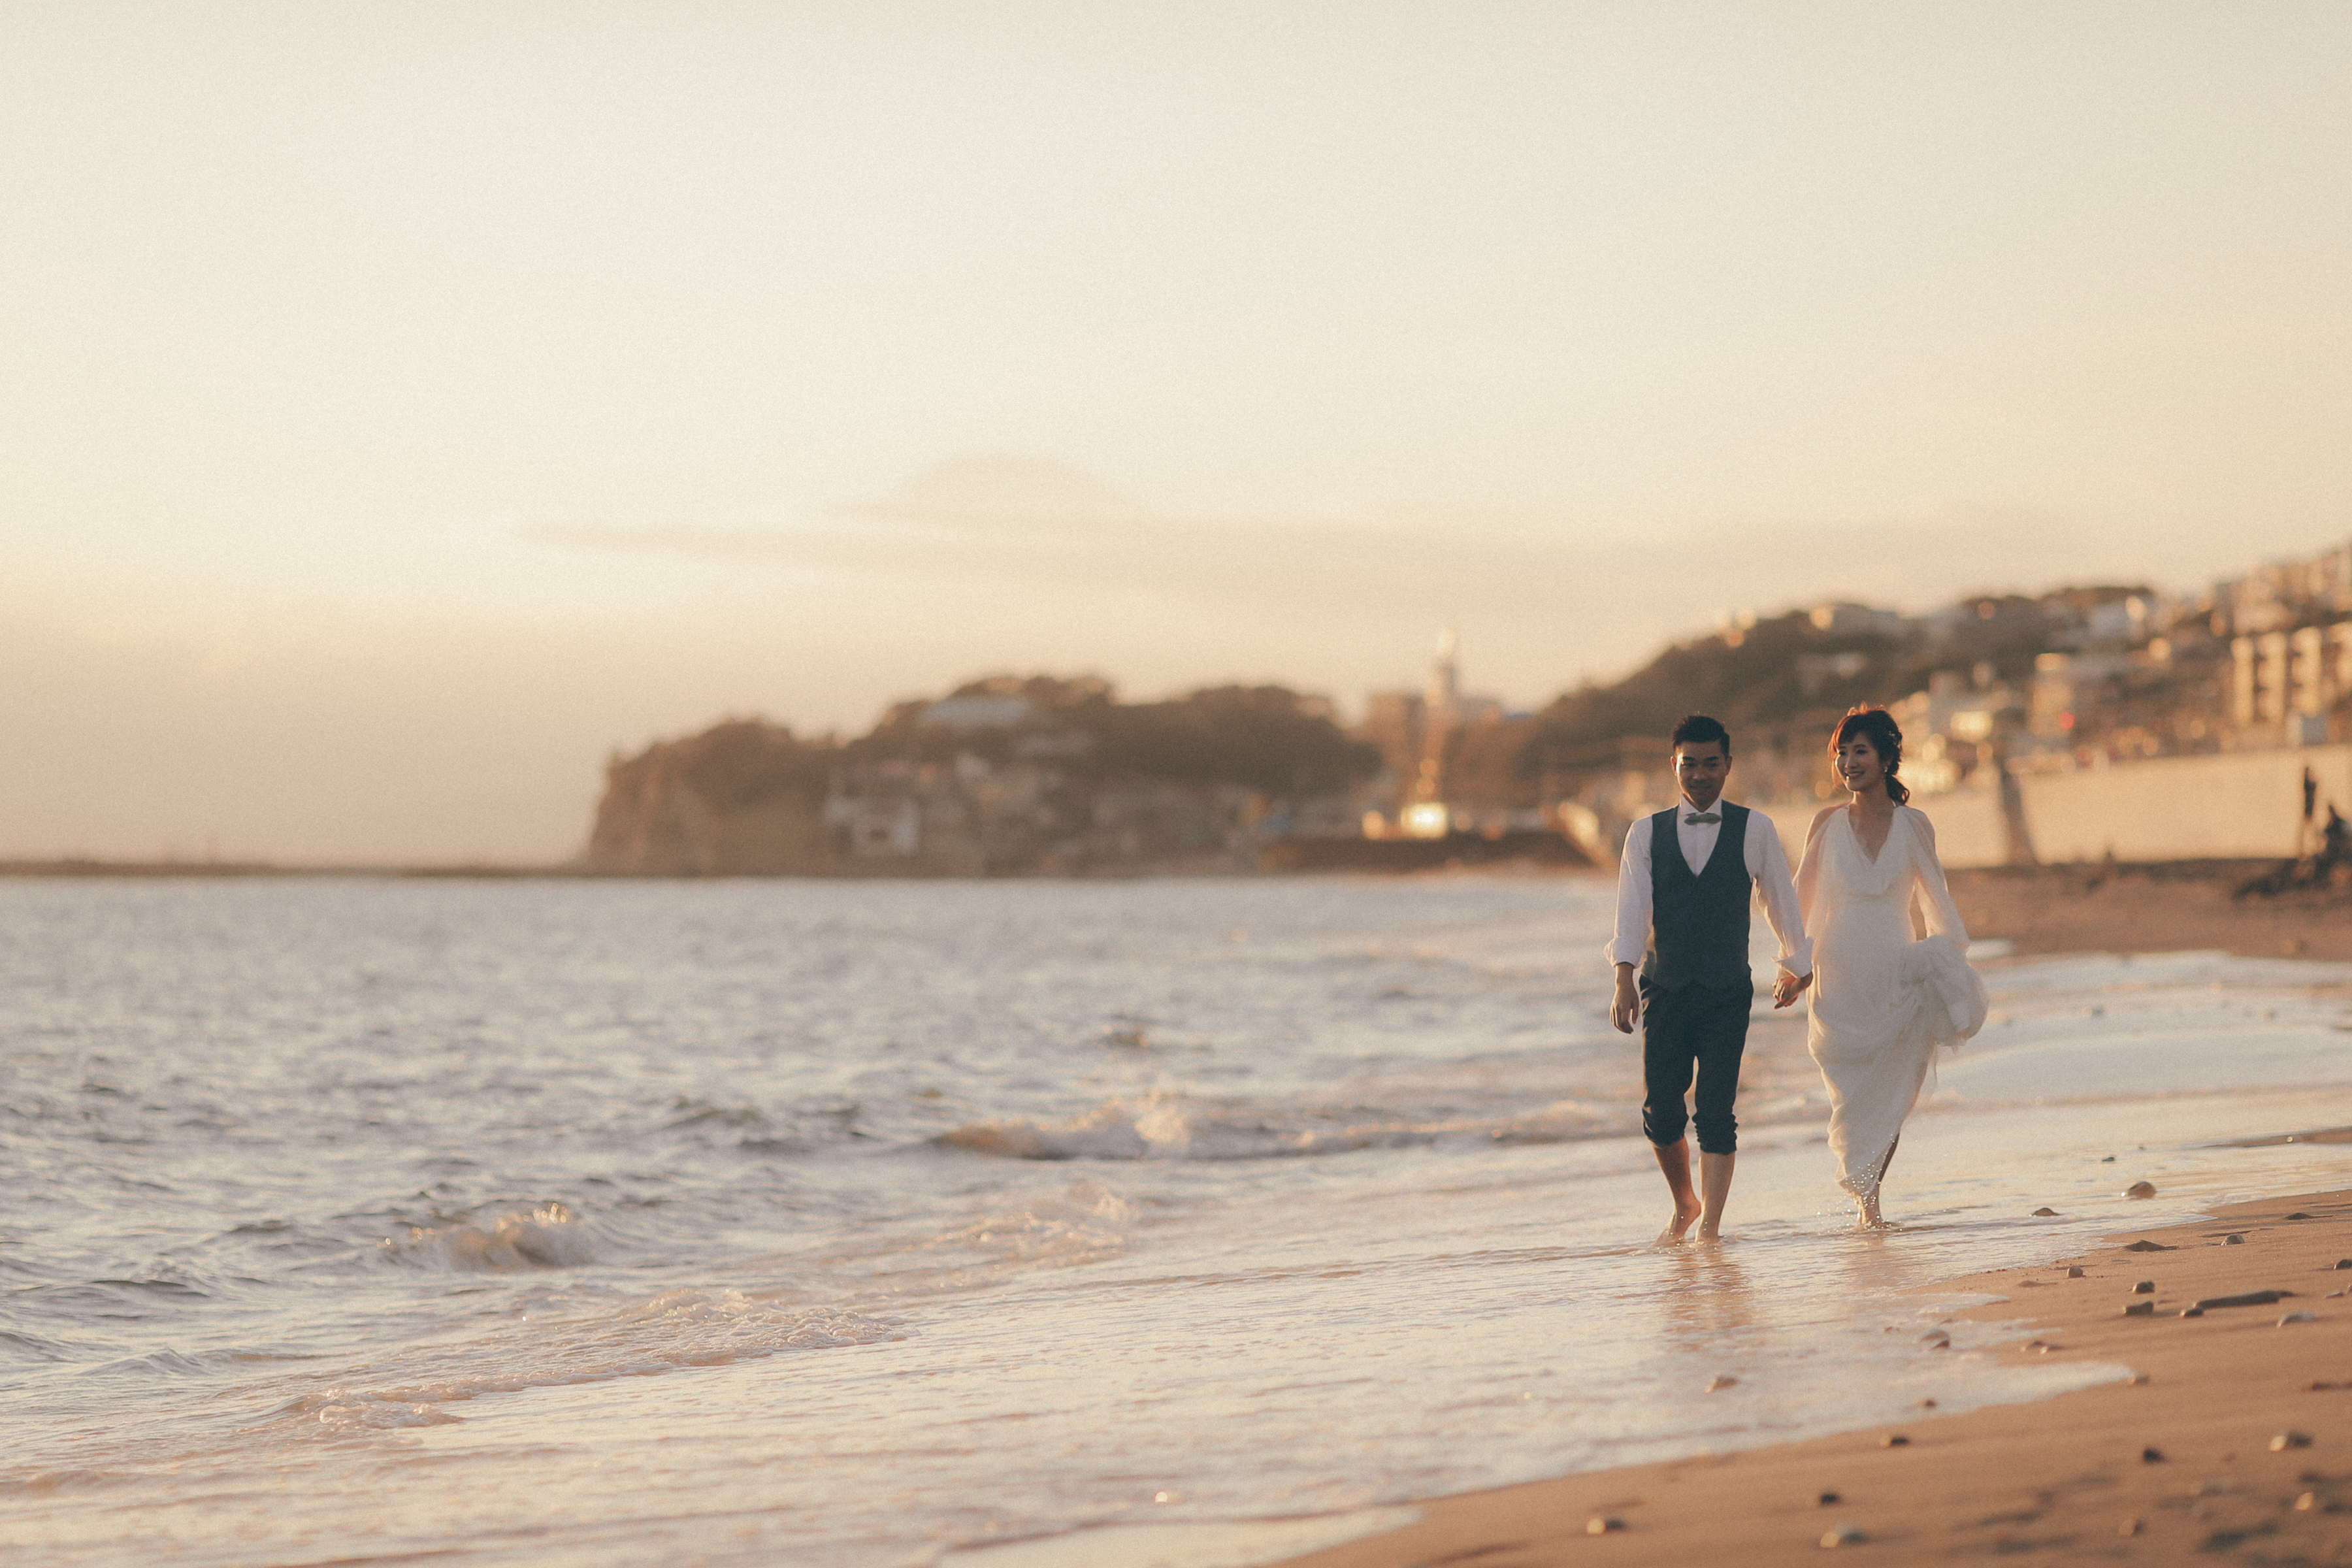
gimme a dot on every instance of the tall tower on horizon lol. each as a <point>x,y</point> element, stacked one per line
<point>1443,698</point>
<point>1441,714</point>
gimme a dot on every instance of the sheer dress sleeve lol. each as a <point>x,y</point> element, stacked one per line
<point>1953,1000</point>
<point>1935,893</point>
<point>1809,874</point>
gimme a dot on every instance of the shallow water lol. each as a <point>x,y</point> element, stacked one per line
<point>582,1223</point>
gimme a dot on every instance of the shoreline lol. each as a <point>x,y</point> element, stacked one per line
<point>2038,910</point>
<point>2250,1417</point>
<point>2166,908</point>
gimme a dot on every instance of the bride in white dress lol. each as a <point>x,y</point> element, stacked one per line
<point>1882,1003</point>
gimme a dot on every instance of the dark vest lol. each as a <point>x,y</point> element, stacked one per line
<point>1698,923</point>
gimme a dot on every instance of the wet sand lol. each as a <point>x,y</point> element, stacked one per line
<point>2152,909</point>
<point>2226,1436</point>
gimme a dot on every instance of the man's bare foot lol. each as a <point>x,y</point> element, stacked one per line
<point>1679,1226</point>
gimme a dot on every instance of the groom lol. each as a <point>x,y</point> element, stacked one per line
<point>1685,882</point>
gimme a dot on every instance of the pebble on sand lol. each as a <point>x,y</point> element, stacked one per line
<point>1935,1340</point>
<point>2233,1239</point>
<point>2045,1214</point>
<point>2307,1502</point>
<point>2344,1263</point>
<point>1829,1499</point>
<point>2142,1309</point>
<point>1896,1440</point>
<point>2144,1287</point>
<point>1721,1380</point>
<point>2128,1527</point>
<point>1844,1535</point>
<point>2151,1455</point>
<point>1600,1524</point>
<point>2298,1215</point>
<point>2298,1318</point>
<point>2075,1273</point>
<point>2140,1190</point>
<point>2286,1440</point>
<point>2147,1247</point>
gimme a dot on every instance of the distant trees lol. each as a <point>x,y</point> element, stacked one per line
<point>749,796</point>
<point>1765,677</point>
<point>1784,681</point>
<point>742,795</point>
<point>1264,738</point>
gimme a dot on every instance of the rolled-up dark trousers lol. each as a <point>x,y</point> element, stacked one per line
<point>1692,1030</point>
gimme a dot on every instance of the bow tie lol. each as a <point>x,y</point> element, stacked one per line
<point>1695,817</point>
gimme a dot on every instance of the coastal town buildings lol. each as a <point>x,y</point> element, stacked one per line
<point>1007,775</point>
<point>2012,705</point>
<point>1428,743</point>
<point>2016,712</point>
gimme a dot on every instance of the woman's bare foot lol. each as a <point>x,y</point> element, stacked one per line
<point>1686,1216</point>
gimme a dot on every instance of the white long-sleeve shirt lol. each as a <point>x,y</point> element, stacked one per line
<point>1765,863</point>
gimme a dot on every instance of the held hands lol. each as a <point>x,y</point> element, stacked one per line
<point>1625,1005</point>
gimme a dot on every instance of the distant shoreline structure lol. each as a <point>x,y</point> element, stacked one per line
<point>2089,724</point>
<point>72,866</point>
<point>1358,857</point>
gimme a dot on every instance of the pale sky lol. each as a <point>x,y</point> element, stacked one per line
<point>408,403</point>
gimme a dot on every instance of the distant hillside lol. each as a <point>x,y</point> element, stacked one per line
<point>1003,775</point>
<point>1013,774</point>
<point>1781,683</point>
<point>1264,738</point>
<point>743,796</point>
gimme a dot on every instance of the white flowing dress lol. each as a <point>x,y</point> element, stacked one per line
<point>1881,1003</point>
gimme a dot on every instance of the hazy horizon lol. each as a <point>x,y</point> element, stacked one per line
<point>414,405</point>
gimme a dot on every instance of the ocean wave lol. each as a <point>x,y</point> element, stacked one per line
<point>117,1300</point>
<point>545,1238</point>
<point>674,1331</point>
<point>163,1364</point>
<point>34,1347</point>
<point>702,1113</point>
<point>775,1147</point>
<point>1164,1127</point>
<point>1083,1221</point>
<point>1117,1131</point>
<point>343,1413</point>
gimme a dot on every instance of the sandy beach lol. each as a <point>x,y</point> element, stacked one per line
<point>2226,1435</point>
<point>2152,909</point>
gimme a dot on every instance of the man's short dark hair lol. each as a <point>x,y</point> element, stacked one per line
<point>1700,728</point>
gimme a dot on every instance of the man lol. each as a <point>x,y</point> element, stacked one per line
<point>1685,882</point>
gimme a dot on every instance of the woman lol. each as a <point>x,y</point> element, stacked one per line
<point>1881,1002</point>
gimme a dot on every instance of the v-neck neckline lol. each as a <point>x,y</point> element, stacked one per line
<point>1856,833</point>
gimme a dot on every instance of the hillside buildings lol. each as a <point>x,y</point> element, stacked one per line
<point>2001,697</point>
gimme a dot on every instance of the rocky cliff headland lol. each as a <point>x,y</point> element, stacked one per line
<point>1002,777</point>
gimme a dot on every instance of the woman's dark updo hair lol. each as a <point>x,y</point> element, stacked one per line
<point>1875,725</point>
